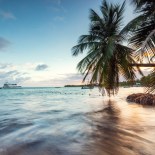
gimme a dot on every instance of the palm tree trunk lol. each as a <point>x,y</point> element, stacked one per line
<point>143,65</point>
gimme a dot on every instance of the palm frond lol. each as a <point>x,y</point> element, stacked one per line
<point>132,25</point>
<point>150,85</point>
<point>83,46</point>
<point>143,34</point>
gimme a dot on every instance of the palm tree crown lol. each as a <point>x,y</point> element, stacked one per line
<point>106,57</point>
<point>142,29</point>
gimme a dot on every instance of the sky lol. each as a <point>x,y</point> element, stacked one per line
<point>36,38</point>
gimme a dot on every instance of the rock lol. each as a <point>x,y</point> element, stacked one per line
<point>141,98</point>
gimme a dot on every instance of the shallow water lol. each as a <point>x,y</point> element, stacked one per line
<point>72,121</point>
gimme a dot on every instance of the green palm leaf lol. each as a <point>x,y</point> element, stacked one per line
<point>143,29</point>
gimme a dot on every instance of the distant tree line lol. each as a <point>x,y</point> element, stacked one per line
<point>143,81</point>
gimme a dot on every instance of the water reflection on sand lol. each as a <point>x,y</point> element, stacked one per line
<point>85,126</point>
<point>116,134</point>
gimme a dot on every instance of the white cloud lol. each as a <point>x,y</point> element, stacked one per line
<point>4,43</point>
<point>41,67</point>
<point>67,79</point>
<point>12,76</point>
<point>59,18</point>
<point>60,80</point>
<point>57,2</point>
<point>4,65</point>
<point>26,75</point>
<point>56,6</point>
<point>7,15</point>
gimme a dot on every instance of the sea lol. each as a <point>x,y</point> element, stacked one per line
<point>74,121</point>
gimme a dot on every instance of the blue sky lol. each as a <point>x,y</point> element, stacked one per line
<point>36,38</point>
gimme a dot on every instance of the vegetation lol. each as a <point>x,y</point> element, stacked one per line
<point>107,58</point>
<point>129,83</point>
<point>149,82</point>
<point>143,81</point>
<point>143,36</point>
<point>79,85</point>
<point>142,30</point>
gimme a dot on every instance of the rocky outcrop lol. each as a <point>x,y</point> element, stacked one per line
<point>141,98</point>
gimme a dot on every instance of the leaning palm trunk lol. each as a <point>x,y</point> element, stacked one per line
<point>143,65</point>
<point>107,58</point>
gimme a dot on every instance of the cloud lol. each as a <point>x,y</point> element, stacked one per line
<point>57,2</point>
<point>59,18</point>
<point>7,15</point>
<point>72,76</point>
<point>56,6</point>
<point>13,76</point>
<point>60,80</point>
<point>3,43</point>
<point>41,67</point>
<point>65,79</point>
<point>3,66</point>
<point>20,79</point>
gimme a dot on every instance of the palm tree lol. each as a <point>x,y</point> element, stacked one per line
<point>142,30</point>
<point>107,58</point>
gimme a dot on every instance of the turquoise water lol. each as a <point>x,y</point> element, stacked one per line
<point>73,121</point>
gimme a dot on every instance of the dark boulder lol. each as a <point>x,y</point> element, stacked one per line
<point>141,98</point>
